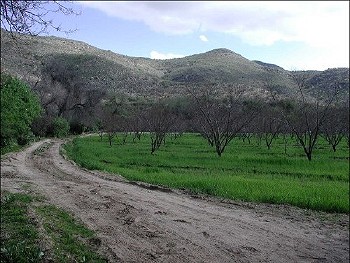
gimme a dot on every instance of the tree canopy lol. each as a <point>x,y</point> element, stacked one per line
<point>19,107</point>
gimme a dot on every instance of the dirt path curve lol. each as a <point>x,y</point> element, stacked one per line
<point>140,224</point>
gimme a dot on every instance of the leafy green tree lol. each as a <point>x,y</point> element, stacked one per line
<point>19,107</point>
<point>60,127</point>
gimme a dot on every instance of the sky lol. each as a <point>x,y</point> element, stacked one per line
<point>296,35</point>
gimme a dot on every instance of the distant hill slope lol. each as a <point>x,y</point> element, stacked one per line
<point>73,73</point>
<point>269,65</point>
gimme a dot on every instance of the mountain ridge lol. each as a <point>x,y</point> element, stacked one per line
<point>77,73</point>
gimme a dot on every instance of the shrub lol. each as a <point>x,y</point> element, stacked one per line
<point>19,108</point>
<point>60,127</point>
<point>77,127</point>
<point>41,126</point>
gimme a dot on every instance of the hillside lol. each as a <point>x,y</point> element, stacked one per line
<point>66,73</point>
<point>36,54</point>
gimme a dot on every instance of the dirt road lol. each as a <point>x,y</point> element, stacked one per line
<point>150,224</point>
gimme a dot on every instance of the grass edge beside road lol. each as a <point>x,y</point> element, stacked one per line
<point>234,176</point>
<point>22,237</point>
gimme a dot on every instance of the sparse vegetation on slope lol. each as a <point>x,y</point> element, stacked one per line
<point>77,81</point>
<point>28,57</point>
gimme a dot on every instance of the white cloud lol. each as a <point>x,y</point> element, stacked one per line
<point>256,22</point>
<point>203,38</point>
<point>318,24</point>
<point>157,55</point>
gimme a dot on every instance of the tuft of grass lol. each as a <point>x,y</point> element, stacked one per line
<point>70,237</point>
<point>245,171</point>
<point>11,148</point>
<point>20,234</point>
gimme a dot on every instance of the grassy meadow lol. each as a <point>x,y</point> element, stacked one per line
<point>245,171</point>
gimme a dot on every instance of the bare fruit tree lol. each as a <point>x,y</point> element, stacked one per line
<point>108,123</point>
<point>219,120</point>
<point>336,126</point>
<point>308,117</point>
<point>271,124</point>
<point>158,121</point>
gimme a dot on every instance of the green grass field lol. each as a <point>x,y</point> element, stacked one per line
<point>248,172</point>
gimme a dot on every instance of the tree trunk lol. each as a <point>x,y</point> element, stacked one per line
<point>308,154</point>
<point>334,147</point>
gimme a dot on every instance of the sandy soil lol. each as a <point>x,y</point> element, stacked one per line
<point>137,222</point>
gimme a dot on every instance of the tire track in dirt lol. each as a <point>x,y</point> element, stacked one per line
<point>136,224</point>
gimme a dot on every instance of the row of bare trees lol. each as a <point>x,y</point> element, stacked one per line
<point>220,119</point>
<point>156,119</point>
<point>309,120</point>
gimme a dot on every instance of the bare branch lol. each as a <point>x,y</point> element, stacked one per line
<point>31,17</point>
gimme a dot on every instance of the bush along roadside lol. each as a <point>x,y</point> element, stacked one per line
<point>20,106</point>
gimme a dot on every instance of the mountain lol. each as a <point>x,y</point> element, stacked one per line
<point>72,76</point>
<point>267,64</point>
